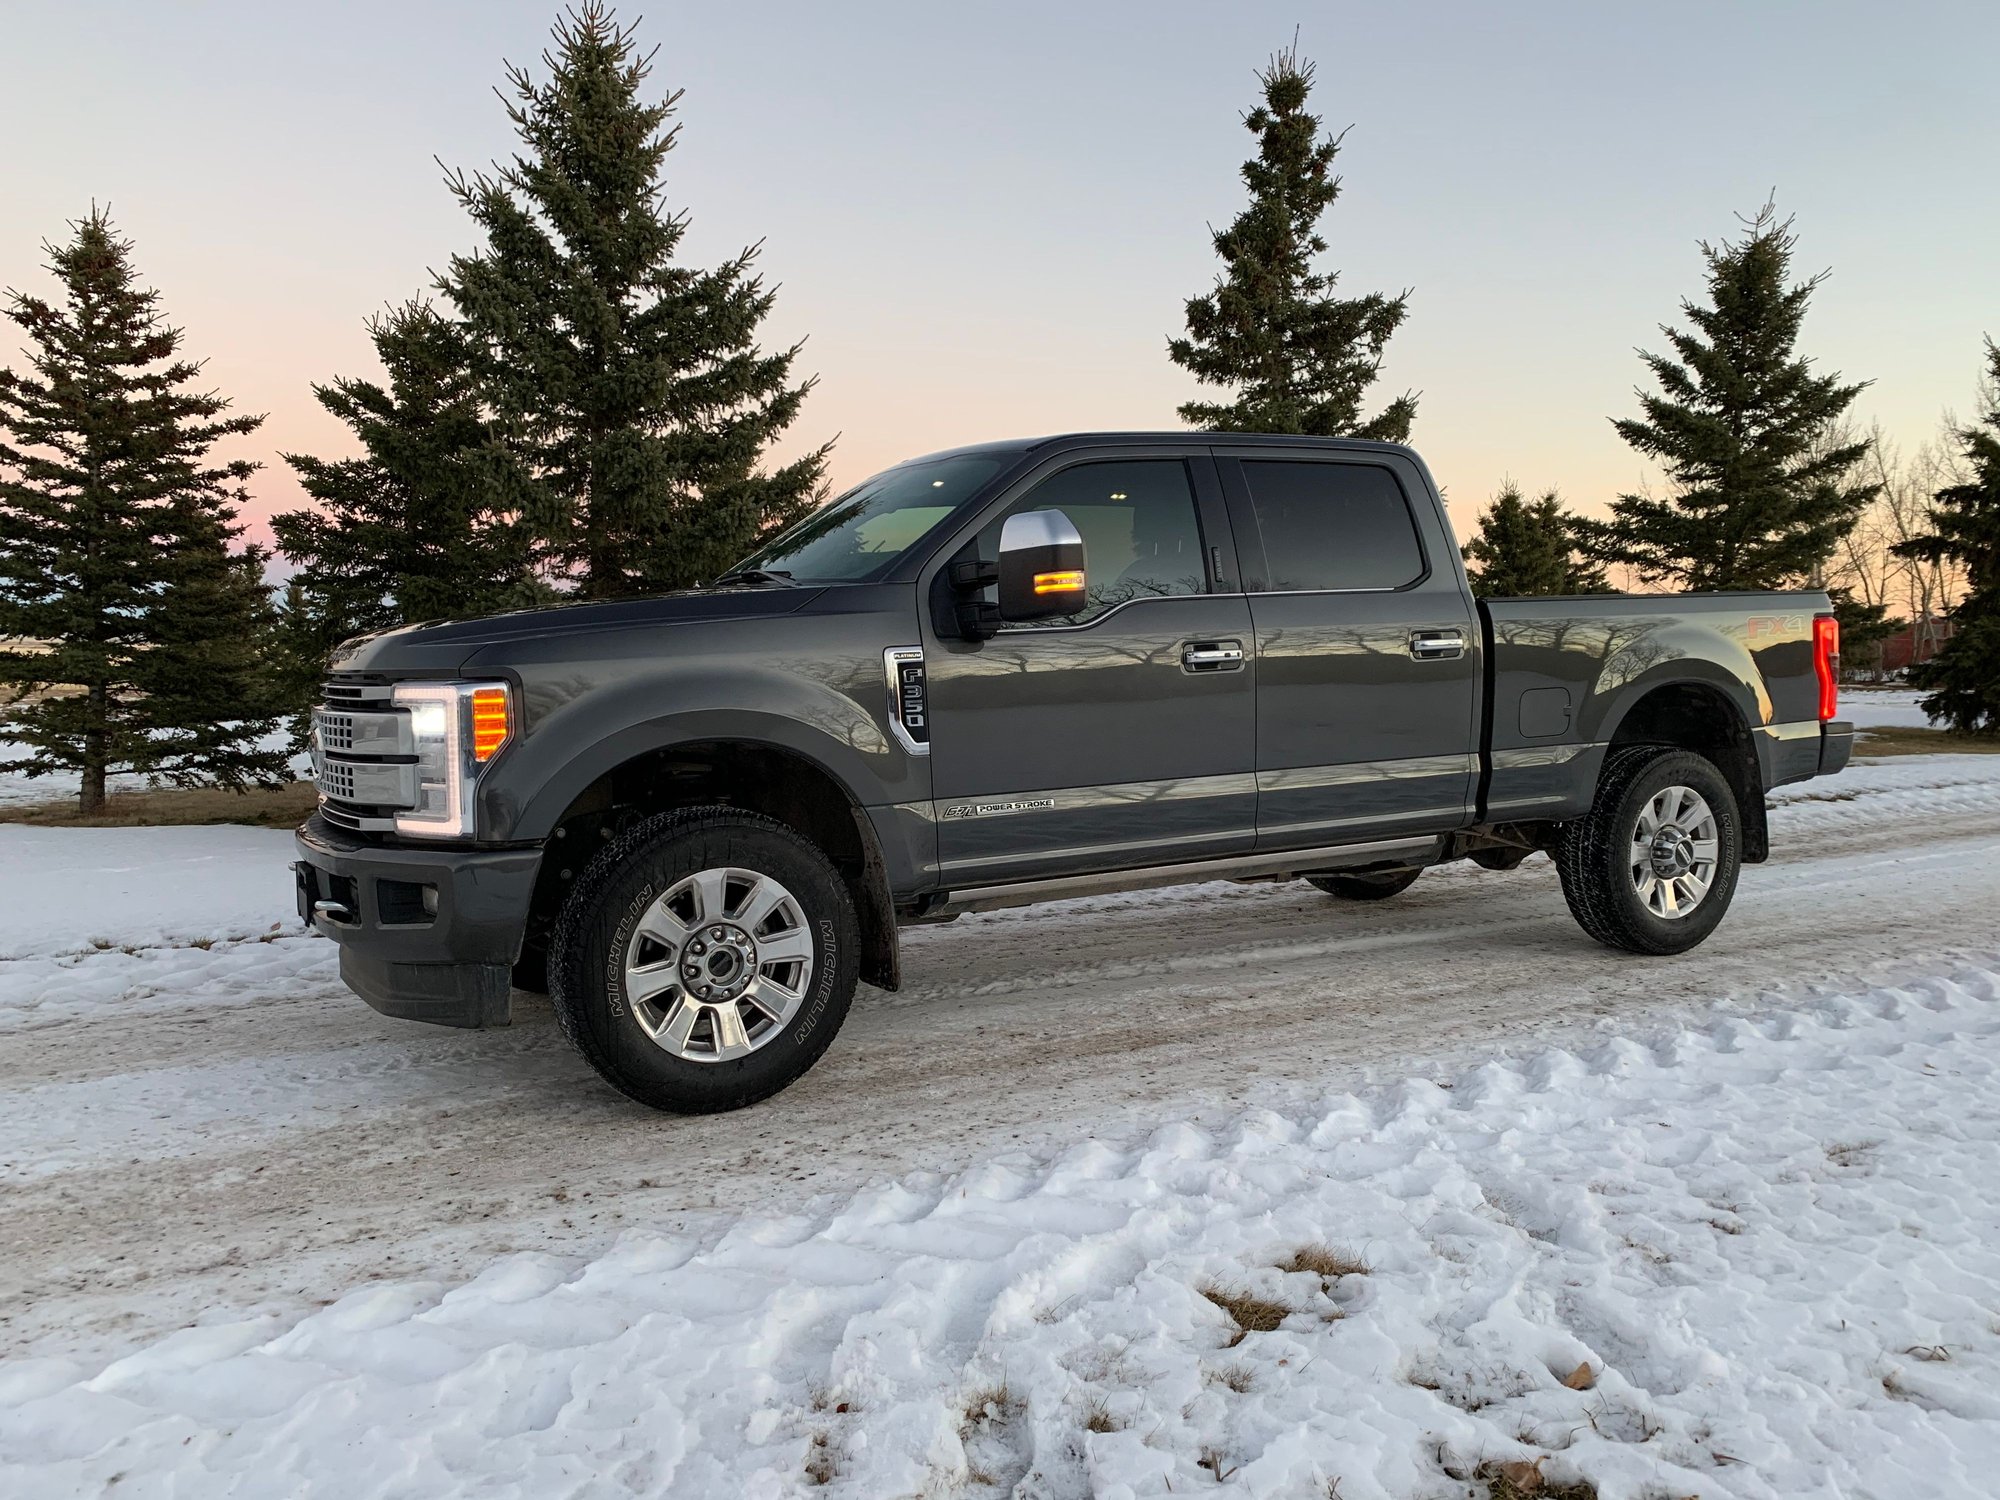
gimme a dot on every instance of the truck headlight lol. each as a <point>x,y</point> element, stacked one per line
<point>456,727</point>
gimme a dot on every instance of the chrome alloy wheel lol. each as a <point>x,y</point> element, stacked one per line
<point>1674,851</point>
<point>719,964</point>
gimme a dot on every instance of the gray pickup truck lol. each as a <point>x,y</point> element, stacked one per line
<point>1012,673</point>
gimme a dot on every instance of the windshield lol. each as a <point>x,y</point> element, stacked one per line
<point>858,537</point>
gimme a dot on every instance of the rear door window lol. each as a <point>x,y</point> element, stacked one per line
<point>1332,526</point>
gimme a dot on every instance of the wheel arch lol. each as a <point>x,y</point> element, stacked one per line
<point>1703,716</point>
<point>781,781</point>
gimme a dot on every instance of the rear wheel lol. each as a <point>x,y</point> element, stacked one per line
<point>1651,868</point>
<point>705,960</point>
<point>1377,885</point>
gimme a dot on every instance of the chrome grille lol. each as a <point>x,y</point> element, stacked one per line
<point>363,755</point>
<point>336,731</point>
<point>336,780</point>
<point>342,694</point>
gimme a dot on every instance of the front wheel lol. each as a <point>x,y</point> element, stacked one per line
<point>1652,866</point>
<point>704,960</point>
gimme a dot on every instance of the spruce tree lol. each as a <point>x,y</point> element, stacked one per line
<point>425,522</point>
<point>1964,677</point>
<point>1295,357</point>
<point>1757,500</point>
<point>637,403</point>
<point>1863,629</point>
<point>115,526</point>
<point>1527,547</point>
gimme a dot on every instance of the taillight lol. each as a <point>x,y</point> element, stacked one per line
<point>1826,663</point>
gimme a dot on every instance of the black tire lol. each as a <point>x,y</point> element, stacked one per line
<point>1500,860</point>
<point>588,949</point>
<point>1377,885</point>
<point>1594,853</point>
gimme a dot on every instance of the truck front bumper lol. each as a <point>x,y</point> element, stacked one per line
<point>425,934</point>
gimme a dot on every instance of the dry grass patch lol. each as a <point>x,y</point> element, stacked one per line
<point>986,1403</point>
<point>820,1463</point>
<point>1851,1154</point>
<point>1898,741</point>
<point>1250,1312</point>
<point>1327,1262</point>
<point>1238,1378</point>
<point>1217,1463</point>
<point>1097,1417</point>
<point>1517,1479</point>
<point>283,807</point>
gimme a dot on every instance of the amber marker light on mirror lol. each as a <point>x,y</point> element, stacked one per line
<point>1058,583</point>
<point>489,722</point>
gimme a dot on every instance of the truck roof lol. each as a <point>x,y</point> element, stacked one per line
<point>1057,441</point>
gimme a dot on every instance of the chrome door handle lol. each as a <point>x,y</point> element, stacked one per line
<point>1212,656</point>
<point>1437,645</point>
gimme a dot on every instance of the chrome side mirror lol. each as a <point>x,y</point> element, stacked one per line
<point>1042,567</point>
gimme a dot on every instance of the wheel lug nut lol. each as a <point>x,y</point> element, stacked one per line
<point>717,933</point>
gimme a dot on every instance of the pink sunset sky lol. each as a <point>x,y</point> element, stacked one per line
<point>985,218</point>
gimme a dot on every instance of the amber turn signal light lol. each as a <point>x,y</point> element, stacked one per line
<point>1059,583</point>
<point>489,722</point>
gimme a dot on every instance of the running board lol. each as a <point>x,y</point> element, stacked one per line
<point>1273,864</point>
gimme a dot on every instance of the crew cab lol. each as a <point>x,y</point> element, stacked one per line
<point>1011,673</point>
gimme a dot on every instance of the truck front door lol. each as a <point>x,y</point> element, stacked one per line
<point>1367,648</point>
<point>1121,736</point>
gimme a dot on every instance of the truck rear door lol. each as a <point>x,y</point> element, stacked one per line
<point>1367,650</point>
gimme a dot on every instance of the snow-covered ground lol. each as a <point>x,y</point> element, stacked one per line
<point>256,1240</point>
<point>1883,708</point>
<point>17,790</point>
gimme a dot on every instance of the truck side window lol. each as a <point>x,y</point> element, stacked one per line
<point>1140,535</point>
<point>1332,526</point>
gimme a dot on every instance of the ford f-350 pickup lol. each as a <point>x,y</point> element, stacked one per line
<point>1011,673</point>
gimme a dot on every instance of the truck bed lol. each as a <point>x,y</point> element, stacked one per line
<point>1563,675</point>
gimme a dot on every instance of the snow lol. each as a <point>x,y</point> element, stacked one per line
<point>17,790</point>
<point>73,889</point>
<point>1774,1240</point>
<point>1883,708</point>
<point>1761,1214</point>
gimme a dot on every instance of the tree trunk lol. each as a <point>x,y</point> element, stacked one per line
<point>90,799</point>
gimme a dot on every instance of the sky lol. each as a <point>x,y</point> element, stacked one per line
<point>984,219</point>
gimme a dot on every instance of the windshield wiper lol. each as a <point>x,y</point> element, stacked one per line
<point>757,578</point>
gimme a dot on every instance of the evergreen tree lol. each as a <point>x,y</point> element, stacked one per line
<point>1964,678</point>
<point>425,522</point>
<point>115,525</point>
<point>211,690</point>
<point>1863,629</point>
<point>1296,358</point>
<point>1758,501</point>
<point>1528,547</point>
<point>634,397</point>
<point>307,628</point>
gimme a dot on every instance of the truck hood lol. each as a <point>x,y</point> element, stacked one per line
<point>443,646</point>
